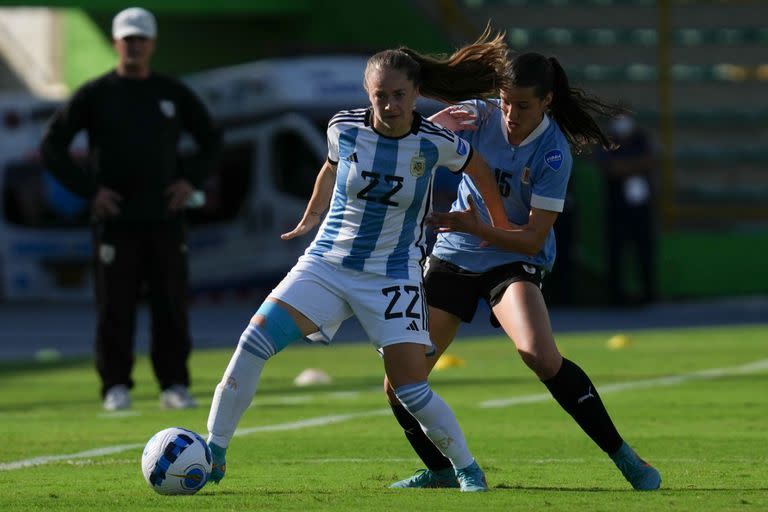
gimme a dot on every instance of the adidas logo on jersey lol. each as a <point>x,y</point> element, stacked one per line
<point>352,157</point>
<point>412,326</point>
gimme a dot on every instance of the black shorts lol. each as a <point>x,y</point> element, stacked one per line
<point>455,290</point>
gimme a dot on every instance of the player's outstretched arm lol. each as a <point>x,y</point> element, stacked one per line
<point>321,197</point>
<point>483,178</point>
<point>527,239</point>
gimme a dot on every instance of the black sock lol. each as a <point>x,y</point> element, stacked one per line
<point>577,395</point>
<point>422,445</point>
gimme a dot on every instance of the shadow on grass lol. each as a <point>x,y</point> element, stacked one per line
<point>340,385</point>
<point>8,368</point>
<point>606,489</point>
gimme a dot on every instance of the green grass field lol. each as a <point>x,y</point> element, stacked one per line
<point>694,402</point>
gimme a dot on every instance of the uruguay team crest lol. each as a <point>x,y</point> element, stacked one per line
<point>418,165</point>
<point>525,176</point>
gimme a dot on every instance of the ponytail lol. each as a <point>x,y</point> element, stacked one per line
<point>476,71</point>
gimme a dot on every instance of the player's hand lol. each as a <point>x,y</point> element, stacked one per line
<point>178,194</point>
<point>305,225</point>
<point>457,117</point>
<point>105,203</point>
<point>466,221</point>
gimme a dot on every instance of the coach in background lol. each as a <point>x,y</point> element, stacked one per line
<point>138,191</point>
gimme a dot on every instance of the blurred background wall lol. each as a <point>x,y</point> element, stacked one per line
<point>695,72</point>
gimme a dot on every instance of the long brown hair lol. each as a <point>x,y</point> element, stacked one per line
<point>572,108</point>
<point>478,70</point>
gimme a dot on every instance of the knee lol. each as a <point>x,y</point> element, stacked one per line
<point>275,323</point>
<point>544,365</point>
<point>390,392</point>
<point>414,397</point>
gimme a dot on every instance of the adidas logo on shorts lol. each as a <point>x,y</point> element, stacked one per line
<point>412,326</point>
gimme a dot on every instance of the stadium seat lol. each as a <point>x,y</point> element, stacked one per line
<point>640,72</point>
<point>683,37</point>
<point>714,85</point>
<point>537,3</point>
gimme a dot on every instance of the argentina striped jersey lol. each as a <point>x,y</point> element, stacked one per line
<point>383,193</point>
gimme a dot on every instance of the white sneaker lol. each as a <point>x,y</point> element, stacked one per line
<point>177,397</point>
<point>117,398</point>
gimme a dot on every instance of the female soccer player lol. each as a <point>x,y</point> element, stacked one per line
<point>526,137</point>
<point>366,257</point>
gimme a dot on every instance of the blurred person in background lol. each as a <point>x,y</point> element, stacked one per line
<point>527,137</point>
<point>561,278</point>
<point>630,226</point>
<point>138,191</point>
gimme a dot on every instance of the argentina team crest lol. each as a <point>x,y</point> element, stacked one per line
<point>418,165</point>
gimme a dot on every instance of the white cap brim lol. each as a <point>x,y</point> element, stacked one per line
<point>132,31</point>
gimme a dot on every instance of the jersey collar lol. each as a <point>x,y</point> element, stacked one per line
<point>415,125</point>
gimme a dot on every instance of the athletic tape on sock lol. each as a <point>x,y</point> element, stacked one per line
<point>279,324</point>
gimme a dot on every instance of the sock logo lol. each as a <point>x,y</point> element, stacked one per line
<point>587,396</point>
<point>231,383</point>
<point>443,442</point>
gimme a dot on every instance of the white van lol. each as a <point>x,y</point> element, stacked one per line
<point>273,115</point>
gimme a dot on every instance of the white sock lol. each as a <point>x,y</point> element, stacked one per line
<point>437,421</point>
<point>235,392</point>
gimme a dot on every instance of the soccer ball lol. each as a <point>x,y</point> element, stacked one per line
<point>176,461</point>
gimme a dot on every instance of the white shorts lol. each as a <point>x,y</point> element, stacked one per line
<point>390,310</point>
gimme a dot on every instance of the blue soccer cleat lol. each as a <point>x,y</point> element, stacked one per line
<point>218,464</point>
<point>471,478</point>
<point>639,473</point>
<point>428,479</point>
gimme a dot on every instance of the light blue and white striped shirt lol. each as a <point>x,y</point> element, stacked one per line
<point>383,193</point>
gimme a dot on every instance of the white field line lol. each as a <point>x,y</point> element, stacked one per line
<point>673,380</point>
<point>311,422</point>
<point>112,415</point>
<point>109,450</point>
<point>712,373</point>
<point>47,459</point>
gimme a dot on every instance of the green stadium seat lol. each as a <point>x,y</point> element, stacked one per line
<point>683,37</point>
<point>644,36</point>
<point>717,155</point>
<point>641,72</point>
<point>716,77</point>
<point>557,36</point>
<point>544,3</point>
<point>709,117</point>
<point>687,72</point>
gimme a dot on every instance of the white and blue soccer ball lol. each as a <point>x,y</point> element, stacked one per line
<point>176,461</point>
